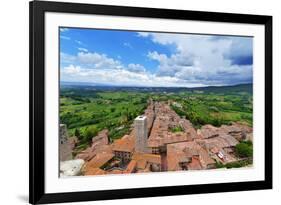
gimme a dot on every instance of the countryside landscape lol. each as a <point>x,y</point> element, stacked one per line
<point>124,119</point>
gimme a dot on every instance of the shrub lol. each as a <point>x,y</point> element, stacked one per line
<point>77,133</point>
<point>176,129</point>
<point>90,132</point>
<point>236,164</point>
<point>219,164</point>
<point>244,149</point>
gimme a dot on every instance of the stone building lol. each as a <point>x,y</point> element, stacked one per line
<point>161,133</point>
<point>65,146</point>
<point>99,144</point>
<point>147,162</point>
<point>188,156</point>
<point>141,133</point>
<point>123,148</point>
<point>97,163</point>
<point>63,134</point>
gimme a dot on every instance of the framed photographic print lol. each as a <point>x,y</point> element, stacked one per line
<point>140,102</point>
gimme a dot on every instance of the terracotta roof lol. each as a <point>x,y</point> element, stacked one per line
<point>91,152</point>
<point>98,161</point>
<point>100,139</point>
<point>166,118</point>
<point>182,152</point>
<point>230,128</point>
<point>94,171</point>
<point>125,144</point>
<point>183,157</point>
<point>190,151</point>
<point>86,154</point>
<point>208,131</point>
<point>173,157</point>
<point>131,167</point>
<point>194,164</point>
<point>217,142</point>
<point>215,150</point>
<point>145,170</point>
<point>152,158</point>
<point>205,158</point>
<point>169,138</point>
<point>236,127</point>
<point>143,159</point>
<point>115,171</point>
<point>141,163</point>
<point>220,142</point>
<point>230,140</point>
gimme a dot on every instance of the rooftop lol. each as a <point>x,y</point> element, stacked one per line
<point>194,164</point>
<point>98,161</point>
<point>208,131</point>
<point>142,159</point>
<point>94,171</point>
<point>131,166</point>
<point>165,119</point>
<point>185,152</point>
<point>125,144</point>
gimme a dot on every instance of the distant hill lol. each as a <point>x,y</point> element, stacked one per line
<point>70,84</point>
<point>215,89</point>
<point>233,88</point>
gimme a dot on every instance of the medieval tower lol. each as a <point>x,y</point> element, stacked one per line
<point>65,148</point>
<point>141,134</point>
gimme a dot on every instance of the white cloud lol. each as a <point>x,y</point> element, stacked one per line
<point>98,68</point>
<point>79,42</point>
<point>83,49</point>
<point>65,37</point>
<point>202,58</point>
<point>199,60</point>
<point>126,44</point>
<point>121,77</point>
<point>156,56</point>
<point>90,60</point>
<point>71,69</point>
<point>63,29</point>
<point>98,61</point>
<point>136,68</point>
<point>143,34</point>
<point>66,58</point>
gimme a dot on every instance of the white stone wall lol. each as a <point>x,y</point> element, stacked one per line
<point>141,134</point>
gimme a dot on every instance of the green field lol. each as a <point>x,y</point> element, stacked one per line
<point>86,110</point>
<point>85,114</point>
<point>215,109</point>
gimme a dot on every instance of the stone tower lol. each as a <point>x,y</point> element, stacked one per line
<point>64,147</point>
<point>63,135</point>
<point>141,134</point>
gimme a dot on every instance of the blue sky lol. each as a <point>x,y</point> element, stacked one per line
<point>127,58</point>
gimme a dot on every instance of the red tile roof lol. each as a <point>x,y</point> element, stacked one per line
<point>125,144</point>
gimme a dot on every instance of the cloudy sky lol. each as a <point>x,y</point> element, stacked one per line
<point>126,58</point>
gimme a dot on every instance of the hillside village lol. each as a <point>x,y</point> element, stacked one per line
<point>159,140</point>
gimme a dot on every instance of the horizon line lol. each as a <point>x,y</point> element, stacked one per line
<point>138,86</point>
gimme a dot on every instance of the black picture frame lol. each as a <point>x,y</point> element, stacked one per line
<point>37,9</point>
